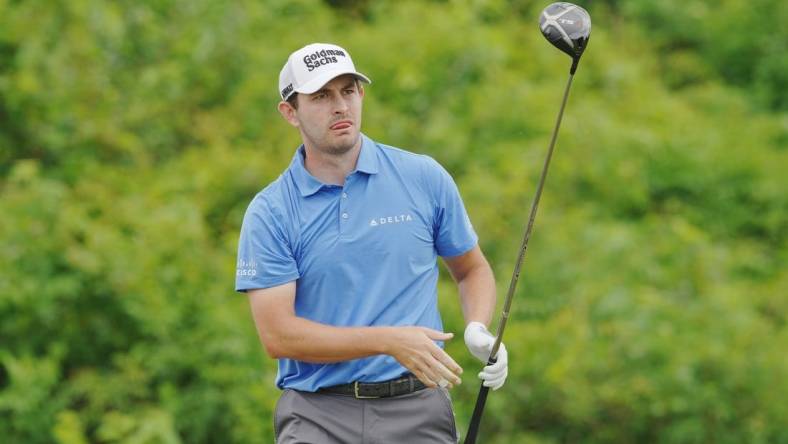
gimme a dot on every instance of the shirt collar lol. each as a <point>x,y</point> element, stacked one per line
<point>368,158</point>
<point>308,184</point>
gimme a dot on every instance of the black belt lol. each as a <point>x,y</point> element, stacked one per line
<point>360,390</point>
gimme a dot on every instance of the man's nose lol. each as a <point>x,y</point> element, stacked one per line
<point>340,105</point>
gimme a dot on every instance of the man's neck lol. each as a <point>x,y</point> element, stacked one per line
<point>331,169</point>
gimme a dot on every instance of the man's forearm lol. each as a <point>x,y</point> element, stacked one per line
<point>477,294</point>
<point>304,340</point>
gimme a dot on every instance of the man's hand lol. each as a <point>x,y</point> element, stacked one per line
<point>480,343</point>
<point>415,349</point>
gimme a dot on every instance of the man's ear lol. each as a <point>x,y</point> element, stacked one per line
<point>288,113</point>
<point>360,90</point>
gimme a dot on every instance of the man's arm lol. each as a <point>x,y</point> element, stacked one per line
<point>285,335</point>
<point>477,293</point>
<point>476,284</point>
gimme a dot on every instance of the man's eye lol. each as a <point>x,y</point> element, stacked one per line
<point>319,96</point>
<point>350,91</point>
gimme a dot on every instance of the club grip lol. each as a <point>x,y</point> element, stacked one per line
<point>476,418</point>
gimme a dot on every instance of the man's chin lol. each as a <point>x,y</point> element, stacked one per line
<point>343,143</point>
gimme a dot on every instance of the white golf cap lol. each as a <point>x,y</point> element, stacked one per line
<point>314,65</point>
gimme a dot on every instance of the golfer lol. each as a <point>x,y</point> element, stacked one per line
<point>339,259</point>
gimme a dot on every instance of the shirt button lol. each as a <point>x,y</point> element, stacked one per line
<point>344,195</point>
<point>344,216</point>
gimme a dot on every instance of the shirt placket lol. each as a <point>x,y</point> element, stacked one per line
<point>345,215</point>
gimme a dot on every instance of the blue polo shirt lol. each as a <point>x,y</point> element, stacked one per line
<point>362,254</point>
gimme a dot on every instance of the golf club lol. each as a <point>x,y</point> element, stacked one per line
<point>568,27</point>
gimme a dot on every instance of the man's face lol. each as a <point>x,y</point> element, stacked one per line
<point>329,119</point>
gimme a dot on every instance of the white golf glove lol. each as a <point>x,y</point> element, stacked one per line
<point>480,343</point>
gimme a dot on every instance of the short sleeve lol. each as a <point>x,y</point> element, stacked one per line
<point>453,232</point>
<point>265,256</point>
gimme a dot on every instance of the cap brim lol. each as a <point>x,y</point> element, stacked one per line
<point>319,81</point>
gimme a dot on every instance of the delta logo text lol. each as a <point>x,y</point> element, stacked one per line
<point>390,220</point>
<point>246,268</point>
<point>322,57</point>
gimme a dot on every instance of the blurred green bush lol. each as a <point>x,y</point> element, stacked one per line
<point>652,306</point>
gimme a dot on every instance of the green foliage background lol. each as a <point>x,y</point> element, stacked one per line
<point>653,303</point>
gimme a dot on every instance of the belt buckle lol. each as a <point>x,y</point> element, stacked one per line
<point>355,392</point>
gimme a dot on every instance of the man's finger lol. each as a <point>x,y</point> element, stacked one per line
<point>445,373</point>
<point>493,375</point>
<point>438,335</point>
<point>494,380</point>
<point>447,360</point>
<point>494,384</point>
<point>496,367</point>
<point>424,378</point>
<point>431,375</point>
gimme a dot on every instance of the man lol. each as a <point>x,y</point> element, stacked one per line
<point>339,259</point>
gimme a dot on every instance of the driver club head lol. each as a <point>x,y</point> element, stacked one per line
<point>567,27</point>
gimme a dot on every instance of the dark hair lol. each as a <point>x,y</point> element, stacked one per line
<point>293,100</point>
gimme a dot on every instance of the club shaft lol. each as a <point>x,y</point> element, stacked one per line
<point>473,428</point>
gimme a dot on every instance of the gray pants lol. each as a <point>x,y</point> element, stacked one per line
<point>425,416</point>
